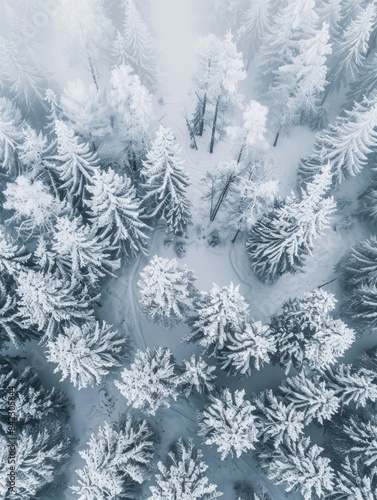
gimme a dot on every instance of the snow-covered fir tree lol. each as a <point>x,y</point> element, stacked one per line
<point>331,12</point>
<point>11,123</point>
<point>116,211</point>
<point>359,265</point>
<point>131,105</point>
<point>364,83</point>
<point>85,110</point>
<point>361,305</point>
<point>31,204</point>
<point>229,423</point>
<point>47,303</point>
<point>118,459</point>
<point>354,481</point>
<point>166,183</point>
<point>89,32</point>
<point>306,333</point>
<point>151,381</point>
<point>279,421</point>
<point>352,384</point>
<point>299,466</point>
<point>254,25</point>
<point>33,150</point>
<point>248,348</point>
<point>184,476</point>
<point>281,240</point>
<point>136,46</point>
<point>167,291</point>
<point>75,163</point>
<point>346,144</point>
<point>82,251</point>
<point>197,376</point>
<point>13,254</point>
<point>87,353</point>
<point>311,396</point>
<point>218,313</point>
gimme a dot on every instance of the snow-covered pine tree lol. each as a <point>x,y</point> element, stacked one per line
<point>350,51</point>
<point>306,333</point>
<point>361,305</point>
<point>151,381</point>
<point>87,353</point>
<point>354,481</point>
<point>300,467</point>
<point>248,348</point>
<point>295,21</point>
<point>33,401</point>
<point>88,30</point>
<point>84,253</point>
<point>118,460</point>
<point>249,141</point>
<point>166,183</point>
<point>346,145</point>
<point>54,110</point>
<point>116,211</point>
<point>228,11</point>
<point>330,11</point>
<point>230,72</point>
<point>131,104</point>
<point>365,81</point>
<point>229,423</point>
<point>32,205</point>
<point>138,46</point>
<point>21,75</point>
<point>299,82</point>
<point>355,436</point>
<point>352,384</point>
<point>310,395</point>
<point>167,291</point>
<point>75,163</point>
<point>197,376</point>
<point>43,450</point>
<point>11,123</point>
<point>359,265</point>
<point>13,254</point>
<point>254,25</point>
<point>183,477</point>
<point>218,313</point>
<point>368,204</point>
<point>48,303</point>
<point>85,110</point>
<point>279,422</point>
<point>206,77</point>
<point>32,151</point>
<point>281,240</point>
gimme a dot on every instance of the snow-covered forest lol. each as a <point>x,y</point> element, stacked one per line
<point>188,249</point>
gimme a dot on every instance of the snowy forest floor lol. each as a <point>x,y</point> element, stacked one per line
<point>222,264</point>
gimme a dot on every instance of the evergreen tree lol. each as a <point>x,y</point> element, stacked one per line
<point>218,314</point>
<point>229,424</point>
<point>346,145</point>
<point>197,375</point>
<point>151,380</point>
<point>167,290</point>
<point>166,182</point>
<point>83,253</point>
<point>281,240</point>
<point>47,303</point>
<point>34,207</point>
<point>248,348</point>
<point>361,304</point>
<point>300,466</point>
<point>311,396</point>
<point>365,81</point>
<point>138,46</point>
<point>255,24</point>
<point>306,333</point>
<point>89,31</point>
<point>10,135</point>
<point>87,353</point>
<point>117,460</point>
<point>184,477</point>
<point>354,481</point>
<point>13,255</point>
<point>359,265</point>
<point>131,104</point>
<point>85,110</point>
<point>33,150</point>
<point>75,163</point>
<point>331,12</point>
<point>116,211</point>
<point>279,422</point>
<point>353,385</point>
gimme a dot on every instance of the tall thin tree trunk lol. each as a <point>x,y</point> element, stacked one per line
<point>277,137</point>
<point>92,70</point>
<point>235,236</point>
<point>204,107</point>
<point>221,197</point>
<point>214,125</point>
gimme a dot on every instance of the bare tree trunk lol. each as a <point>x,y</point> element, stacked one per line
<point>235,236</point>
<point>214,125</point>
<point>191,130</point>
<point>277,137</point>
<point>223,193</point>
<point>204,107</point>
<point>91,66</point>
